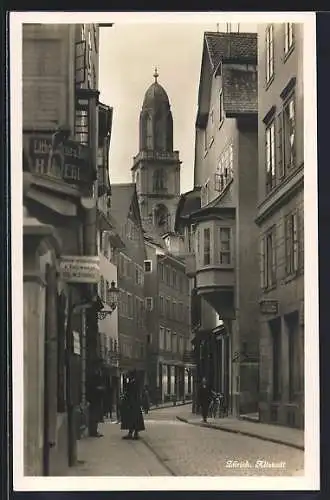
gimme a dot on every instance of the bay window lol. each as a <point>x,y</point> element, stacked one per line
<point>207,247</point>
<point>225,250</point>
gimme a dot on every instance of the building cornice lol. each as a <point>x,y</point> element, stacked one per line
<point>281,195</point>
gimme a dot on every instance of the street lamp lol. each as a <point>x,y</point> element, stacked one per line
<point>113,302</point>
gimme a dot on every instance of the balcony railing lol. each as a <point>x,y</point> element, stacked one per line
<point>157,155</point>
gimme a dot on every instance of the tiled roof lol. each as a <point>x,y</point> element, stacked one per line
<point>240,90</point>
<point>231,46</point>
<point>121,199</point>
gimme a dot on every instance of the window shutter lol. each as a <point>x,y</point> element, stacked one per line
<point>295,242</point>
<point>80,62</point>
<point>262,263</point>
<point>273,256</point>
<point>280,150</point>
<point>288,245</point>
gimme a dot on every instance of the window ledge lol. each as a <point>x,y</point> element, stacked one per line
<point>269,288</point>
<point>269,82</point>
<point>291,277</point>
<point>288,53</point>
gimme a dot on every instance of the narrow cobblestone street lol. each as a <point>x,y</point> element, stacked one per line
<point>171,447</point>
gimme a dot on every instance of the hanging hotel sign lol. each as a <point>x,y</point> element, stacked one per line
<point>80,269</point>
<point>268,306</point>
<point>67,161</point>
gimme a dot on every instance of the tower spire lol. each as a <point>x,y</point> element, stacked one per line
<point>156,75</point>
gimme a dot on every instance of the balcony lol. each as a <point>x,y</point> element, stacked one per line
<point>217,285</point>
<point>156,155</point>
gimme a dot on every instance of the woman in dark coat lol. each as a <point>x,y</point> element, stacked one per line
<point>204,397</point>
<point>131,414</point>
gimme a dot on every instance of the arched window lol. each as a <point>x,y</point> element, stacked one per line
<point>159,180</point>
<point>149,133</point>
<point>169,133</point>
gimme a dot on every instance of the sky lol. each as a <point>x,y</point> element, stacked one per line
<point>129,54</point>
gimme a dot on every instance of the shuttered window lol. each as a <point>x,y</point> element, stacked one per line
<point>291,244</point>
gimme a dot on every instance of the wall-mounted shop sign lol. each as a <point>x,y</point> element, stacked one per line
<point>76,343</point>
<point>80,269</point>
<point>268,306</point>
<point>67,161</point>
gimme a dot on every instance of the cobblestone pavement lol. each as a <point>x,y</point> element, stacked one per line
<point>276,433</point>
<point>190,450</point>
<point>170,447</point>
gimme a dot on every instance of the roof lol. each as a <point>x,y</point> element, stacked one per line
<point>189,202</point>
<point>230,46</point>
<point>121,200</point>
<point>154,96</point>
<point>240,90</point>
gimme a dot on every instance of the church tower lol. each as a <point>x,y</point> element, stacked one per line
<point>156,168</point>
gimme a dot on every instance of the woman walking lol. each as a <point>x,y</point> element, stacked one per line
<point>131,414</point>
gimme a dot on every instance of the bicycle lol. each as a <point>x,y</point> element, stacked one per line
<point>217,407</point>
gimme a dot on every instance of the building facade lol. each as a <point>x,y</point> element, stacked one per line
<point>60,137</point>
<point>130,267</point>
<point>156,167</point>
<point>220,237</point>
<point>280,221</point>
<point>167,300</point>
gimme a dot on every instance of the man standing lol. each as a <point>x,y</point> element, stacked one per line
<point>204,396</point>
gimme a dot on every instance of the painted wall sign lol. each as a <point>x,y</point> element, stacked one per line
<point>269,307</point>
<point>68,161</point>
<point>80,269</point>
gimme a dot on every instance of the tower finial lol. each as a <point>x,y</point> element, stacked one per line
<point>156,75</point>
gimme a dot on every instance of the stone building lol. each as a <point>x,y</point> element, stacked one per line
<point>167,299</point>
<point>223,238</point>
<point>60,137</point>
<point>280,220</point>
<point>156,167</point>
<point>130,260</point>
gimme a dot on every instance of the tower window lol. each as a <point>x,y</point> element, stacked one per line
<point>149,133</point>
<point>159,180</point>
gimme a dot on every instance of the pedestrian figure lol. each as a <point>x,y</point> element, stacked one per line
<point>145,400</point>
<point>131,414</point>
<point>108,400</point>
<point>204,396</point>
<point>95,397</point>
